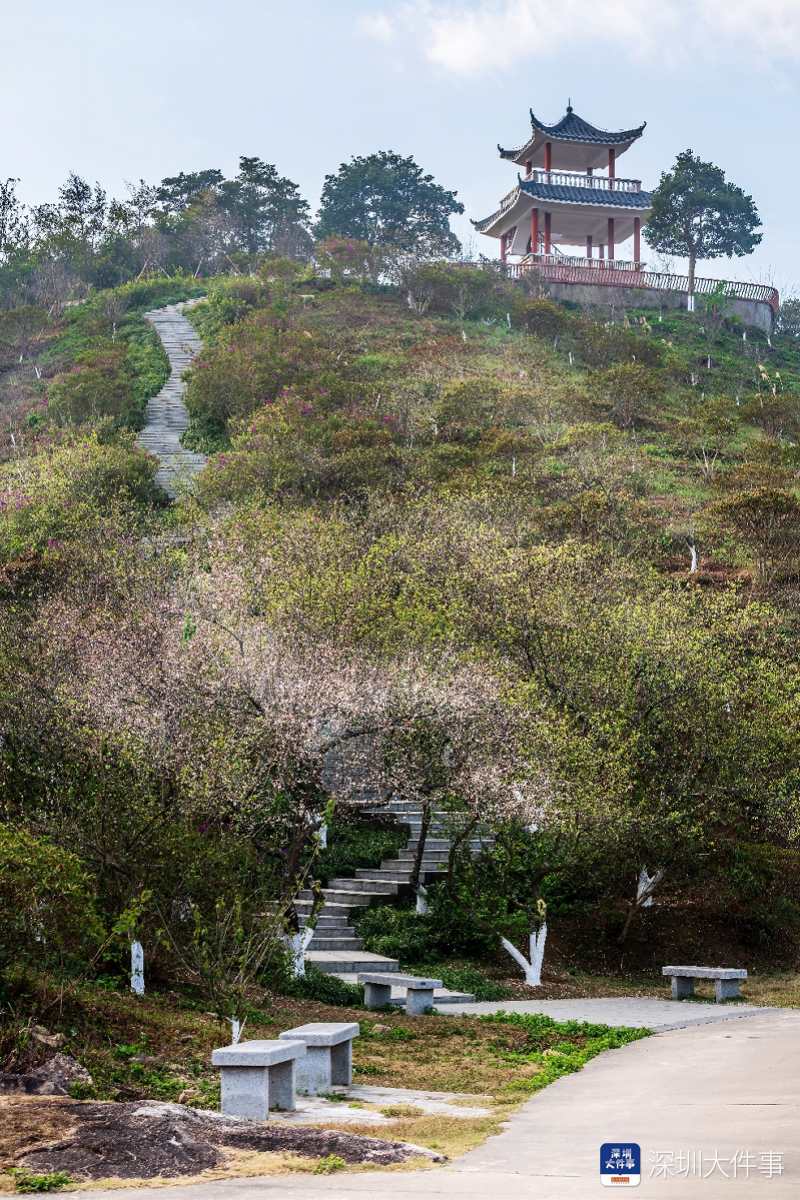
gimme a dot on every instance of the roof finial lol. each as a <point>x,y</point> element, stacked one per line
<point>569,105</point>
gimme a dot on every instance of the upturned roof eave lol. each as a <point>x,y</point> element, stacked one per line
<point>593,135</point>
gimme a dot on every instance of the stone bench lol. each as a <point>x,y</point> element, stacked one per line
<point>378,990</point>
<point>684,978</point>
<point>329,1055</point>
<point>256,1075</point>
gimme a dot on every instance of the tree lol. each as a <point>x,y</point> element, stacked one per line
<point>179,192</point>
<point>13,224</point>
<point>697,214</point>
<point>767,521</point>
<point>266,210</point>
<point>386,200</point>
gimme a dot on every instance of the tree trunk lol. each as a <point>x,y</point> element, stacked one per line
<point>692,264</point>
<point>423,836</point>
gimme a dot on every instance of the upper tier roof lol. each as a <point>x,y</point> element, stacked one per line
<point>579,145</point>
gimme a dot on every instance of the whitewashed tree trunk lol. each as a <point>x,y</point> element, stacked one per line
<point>646,886</point>
<point>137,968</point>
<point>693,552</point>
<point>422,901</point>
<point>532,969</point>
<point>236,1030</point>
<point>298,944</point>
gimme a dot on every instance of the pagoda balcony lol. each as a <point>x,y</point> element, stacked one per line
<point>573,179</point>
<point>578,262</point>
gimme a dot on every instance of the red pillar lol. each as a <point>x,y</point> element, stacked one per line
<point>602,251</point>
<point>502,247</point>
<point>528,168</point>
<point>611,167</point>
<point>589,246</point>
<point>610,237</point>
<point>548,156</point>
<point>637,239</point>
<point>547,228</point>
<point>535,230</point>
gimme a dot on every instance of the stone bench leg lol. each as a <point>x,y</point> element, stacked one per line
<point>417,1000</point>
<point>245,1092</point>
<point>377,994</point>
<point>681,987</point>
<point>313,1072</point>
<point>726,989</point>
<point>282,1086</point>
<point>342,1064</point>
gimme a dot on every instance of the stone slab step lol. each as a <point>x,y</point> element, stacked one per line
<point>387,886</point>
<point>334,963</point>
<point>343,944</point>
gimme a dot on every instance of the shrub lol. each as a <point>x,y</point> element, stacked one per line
<point>541,318</point>
<point>626,391</point>
<point>325,989</point>
<point>47,913</point>
<point>61,494</point>
<point>293,447</point>
<point>464,292</point>
<point>600,346</point>
<point>100,386</point>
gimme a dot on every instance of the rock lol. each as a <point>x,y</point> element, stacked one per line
<point>54,1040</point>
<point>31,1085</point>
<point>380,1029</point>
<point>63,1071</point>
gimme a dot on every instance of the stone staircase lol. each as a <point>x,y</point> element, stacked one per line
<point>167,417</point>
<point>335,947</point>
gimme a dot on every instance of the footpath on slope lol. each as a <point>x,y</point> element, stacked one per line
<point>721,1092</point>
<point>335,948</point>
<point>167,417</point>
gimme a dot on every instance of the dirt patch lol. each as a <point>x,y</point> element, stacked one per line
<point>149,1139</point>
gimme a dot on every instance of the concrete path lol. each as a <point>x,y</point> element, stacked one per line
<point>166,413</point>
<point>732,1089</point>
<point>631,1011</point>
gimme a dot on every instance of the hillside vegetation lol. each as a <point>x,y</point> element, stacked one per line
<point>542,561</point>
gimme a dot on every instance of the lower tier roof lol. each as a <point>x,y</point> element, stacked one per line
<point>576,213</point>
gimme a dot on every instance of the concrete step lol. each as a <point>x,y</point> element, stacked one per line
<point>396,873</point>
<point>388,887</point>
<point>334,963</point>
<point>343,944</point>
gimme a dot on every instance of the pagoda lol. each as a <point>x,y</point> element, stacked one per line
<point>560,201</point>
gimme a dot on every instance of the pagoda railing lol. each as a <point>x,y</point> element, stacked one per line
<point>575,180</point>
<point>603,183</point>
<point>555,268</point>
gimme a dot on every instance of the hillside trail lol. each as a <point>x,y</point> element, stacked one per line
<point>167,417</point>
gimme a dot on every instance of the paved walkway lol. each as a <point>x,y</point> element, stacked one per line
<point>730,1089</point>
<point>631,1011</point>
<point>166,413</point>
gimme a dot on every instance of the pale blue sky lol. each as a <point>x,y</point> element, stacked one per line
<point>119,91</point>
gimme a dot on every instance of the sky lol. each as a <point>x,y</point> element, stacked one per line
<point>117,91</point>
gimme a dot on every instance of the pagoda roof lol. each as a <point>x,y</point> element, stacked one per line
<point>575,131</point>
<point>558,194</point>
